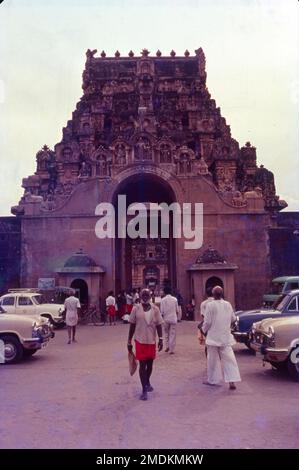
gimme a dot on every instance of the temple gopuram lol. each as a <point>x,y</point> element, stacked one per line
<point>146,126</point>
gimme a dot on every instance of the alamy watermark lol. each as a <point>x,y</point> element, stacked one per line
<point>151,220</point>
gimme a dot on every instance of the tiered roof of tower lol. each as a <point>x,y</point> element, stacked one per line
<point>154,110</point>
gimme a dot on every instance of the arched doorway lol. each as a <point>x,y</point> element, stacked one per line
<point>213,281</point>
<point>81,289</point>
<point>133,257</point>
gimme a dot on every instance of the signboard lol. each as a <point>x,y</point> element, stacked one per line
<point>46,283</point>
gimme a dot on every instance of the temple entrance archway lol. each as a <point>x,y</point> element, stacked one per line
<point>144,261</point>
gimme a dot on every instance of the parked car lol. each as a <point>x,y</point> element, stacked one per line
<point>287,305</point>
<point>22,335</point>
<point>30,302</point>
<point>280,285</point>
<point>277,339</point>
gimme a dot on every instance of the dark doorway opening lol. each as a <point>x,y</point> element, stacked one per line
<point>81,289</point>
<point>133,256</point>
<point>213,281</point>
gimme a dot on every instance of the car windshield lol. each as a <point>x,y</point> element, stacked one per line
<point>38,299</point>
<point>281,302</point>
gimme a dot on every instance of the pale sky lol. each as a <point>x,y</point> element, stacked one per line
<point>252,59</point>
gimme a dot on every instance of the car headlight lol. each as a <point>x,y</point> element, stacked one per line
<point>40,330</point>
<point>235,325</point>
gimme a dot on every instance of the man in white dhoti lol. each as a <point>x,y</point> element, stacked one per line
<point>219,316</point>
<point>169,310</point>
<point>71,305</point>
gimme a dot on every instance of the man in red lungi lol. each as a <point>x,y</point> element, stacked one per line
<point>145,321</point>
<point>111,307</point>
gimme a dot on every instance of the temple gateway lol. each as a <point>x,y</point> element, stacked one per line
<point>147,127</point>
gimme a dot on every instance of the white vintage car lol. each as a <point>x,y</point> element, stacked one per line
<point>22,335</point>
<point>30,302</point>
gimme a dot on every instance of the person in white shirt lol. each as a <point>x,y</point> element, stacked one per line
<point>111,307</point>
<point>204,304</point>
<point>169,311</point>
<point>219,316</point>
<point>71,305</point>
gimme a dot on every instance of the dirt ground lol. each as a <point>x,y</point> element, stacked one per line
<point>81,396</point>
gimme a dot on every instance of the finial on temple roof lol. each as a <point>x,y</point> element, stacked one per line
<point>145,52</point>
<point>117,54</point>
<point>186,53</point>
<point>172,53</point>
<point>131,53</point>
<point>103,54</point>
<point>158,53</point>
<point>90,54</point>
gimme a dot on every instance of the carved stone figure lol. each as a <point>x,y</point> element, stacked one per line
<point>238,199</point>
<point>202,167</point>
<point>165,153</point>
<point>120,154</point>
<point>142,149</point>
<point>257,193</point>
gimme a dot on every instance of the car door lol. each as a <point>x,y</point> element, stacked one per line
<point>8,304</point>
<point>292,308</point>
<point>25,305</point>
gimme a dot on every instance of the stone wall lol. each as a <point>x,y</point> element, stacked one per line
<point>10,253</point>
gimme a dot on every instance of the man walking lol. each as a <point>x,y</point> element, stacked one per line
<point>71,305</point>
<point>145,322</point>
<point>218,317</point>
<point>169,310</point>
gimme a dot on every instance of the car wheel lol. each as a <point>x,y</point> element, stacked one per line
<point>13,350</point>
<point>293,369</point>
<point>29,352</point>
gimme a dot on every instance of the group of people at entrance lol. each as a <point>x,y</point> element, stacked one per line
<point>146,321</point>
<point>121,305</point>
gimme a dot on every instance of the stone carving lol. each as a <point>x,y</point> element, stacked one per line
<point>225,179</point>
<point>145,52</point>
<point>90,55</point>
<point>49,203</point>
<point>142,149</point>
<point>165,153</point>
<point>210,256</point>
<point>148,110</point>
<point>85,170</point>
<point>202,167</point>
<point>120,154</point>
<point>184,164</point>
<point>257,193</point>
<point>238,199</point>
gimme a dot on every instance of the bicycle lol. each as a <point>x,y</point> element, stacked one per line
<point>91,316</point>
